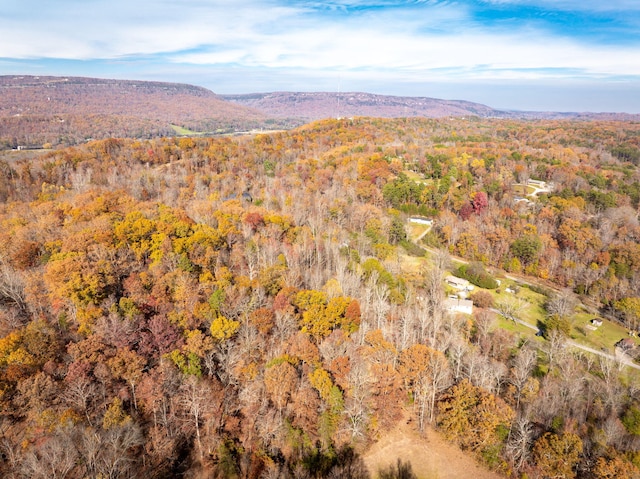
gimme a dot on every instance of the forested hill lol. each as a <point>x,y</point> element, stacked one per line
<point>319,105</point>
<point>69,110</point>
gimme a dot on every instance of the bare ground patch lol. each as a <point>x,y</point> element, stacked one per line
<point>430,455</point>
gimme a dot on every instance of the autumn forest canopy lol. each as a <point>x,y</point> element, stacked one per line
<point>257,306</point>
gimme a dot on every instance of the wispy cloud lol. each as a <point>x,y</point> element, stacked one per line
<point>403,41</point>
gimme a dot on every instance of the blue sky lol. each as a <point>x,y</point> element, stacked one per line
<point>561,55</point>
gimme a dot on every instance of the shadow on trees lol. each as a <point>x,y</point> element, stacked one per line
<point>399,470</point>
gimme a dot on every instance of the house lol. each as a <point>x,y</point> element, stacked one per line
<point>457,305</point>
<point>596,323</point>
<point>537,183</point>
<point>458,283</point>
<point>421,221</point>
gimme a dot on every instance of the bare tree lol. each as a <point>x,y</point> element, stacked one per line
<point>562,304</point>
<point>523,365</point>
<point>79,394</point>
<point>55,458</point>
<point>510,308</point>
<point>555,347</point>
<point>457,350</point>
<point>11,285</point>
<point>483,323</point>
<point>116,456</point>
<point>357,400</point>
<point>194,398</point>
<point>518,447</point>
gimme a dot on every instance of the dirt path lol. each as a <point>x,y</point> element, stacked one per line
<point>431,457</point>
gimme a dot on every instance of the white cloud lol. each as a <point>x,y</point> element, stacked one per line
<point>575,5</point>
<point>435,39</point>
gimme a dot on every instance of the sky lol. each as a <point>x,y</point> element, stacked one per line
<point>541,55</point>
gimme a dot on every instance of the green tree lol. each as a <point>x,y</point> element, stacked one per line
<point>526,248</point>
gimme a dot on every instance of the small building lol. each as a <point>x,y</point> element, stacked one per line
<point>421,221</point>
<point>596,323</point>
<point>537,183</point>
<point>458,283</point>
<point>457,305</point>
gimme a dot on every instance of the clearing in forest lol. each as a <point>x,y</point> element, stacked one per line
<point>430,455</point>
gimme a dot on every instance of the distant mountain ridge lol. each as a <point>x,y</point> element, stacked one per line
<point>316,105</point>
<point>35,110</point>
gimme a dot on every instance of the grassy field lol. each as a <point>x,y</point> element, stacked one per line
<point>604,337</point>
<point>184,131</point>
<point>415,230</point>
<point>417,177</point>
<point>523,190</point>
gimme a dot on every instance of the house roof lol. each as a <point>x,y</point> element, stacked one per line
<point>457,281</point>
<point>460,305</point>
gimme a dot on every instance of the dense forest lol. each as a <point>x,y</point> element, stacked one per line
<point>257,306</point>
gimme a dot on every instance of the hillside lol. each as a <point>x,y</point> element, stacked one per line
<point>69,110</point>
<point>319,105</point>
<point>260,306</point>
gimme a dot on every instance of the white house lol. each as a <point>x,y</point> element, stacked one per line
<point>456,305</point>
<point>458,283</point>
<point>421,221</point>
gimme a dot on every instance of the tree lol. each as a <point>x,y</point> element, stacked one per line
<point>280,381</point>
<point>520,375</point>
<point>562,304</point>
<point>482,299</point>
<point>480,202</point>
<point>630,309</point>
<point>473,418</point>
<point>556,456</point>
<point>518,447</point>
<point>526,248</point>
<point>56,458</point>
<point>194,400</point>
<point>128,365</point>
<point>223,328</point>
<point>510,308</point>
<point>616,467</point>
<point>426,373</point>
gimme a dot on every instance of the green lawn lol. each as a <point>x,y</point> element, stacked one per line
<point>604,337</point>
<point>183,131</point>
<point>532,312</point>
<point>517,328</point>
<point>415,230</point>
<point>523,190</point>
<point>417,177</point>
